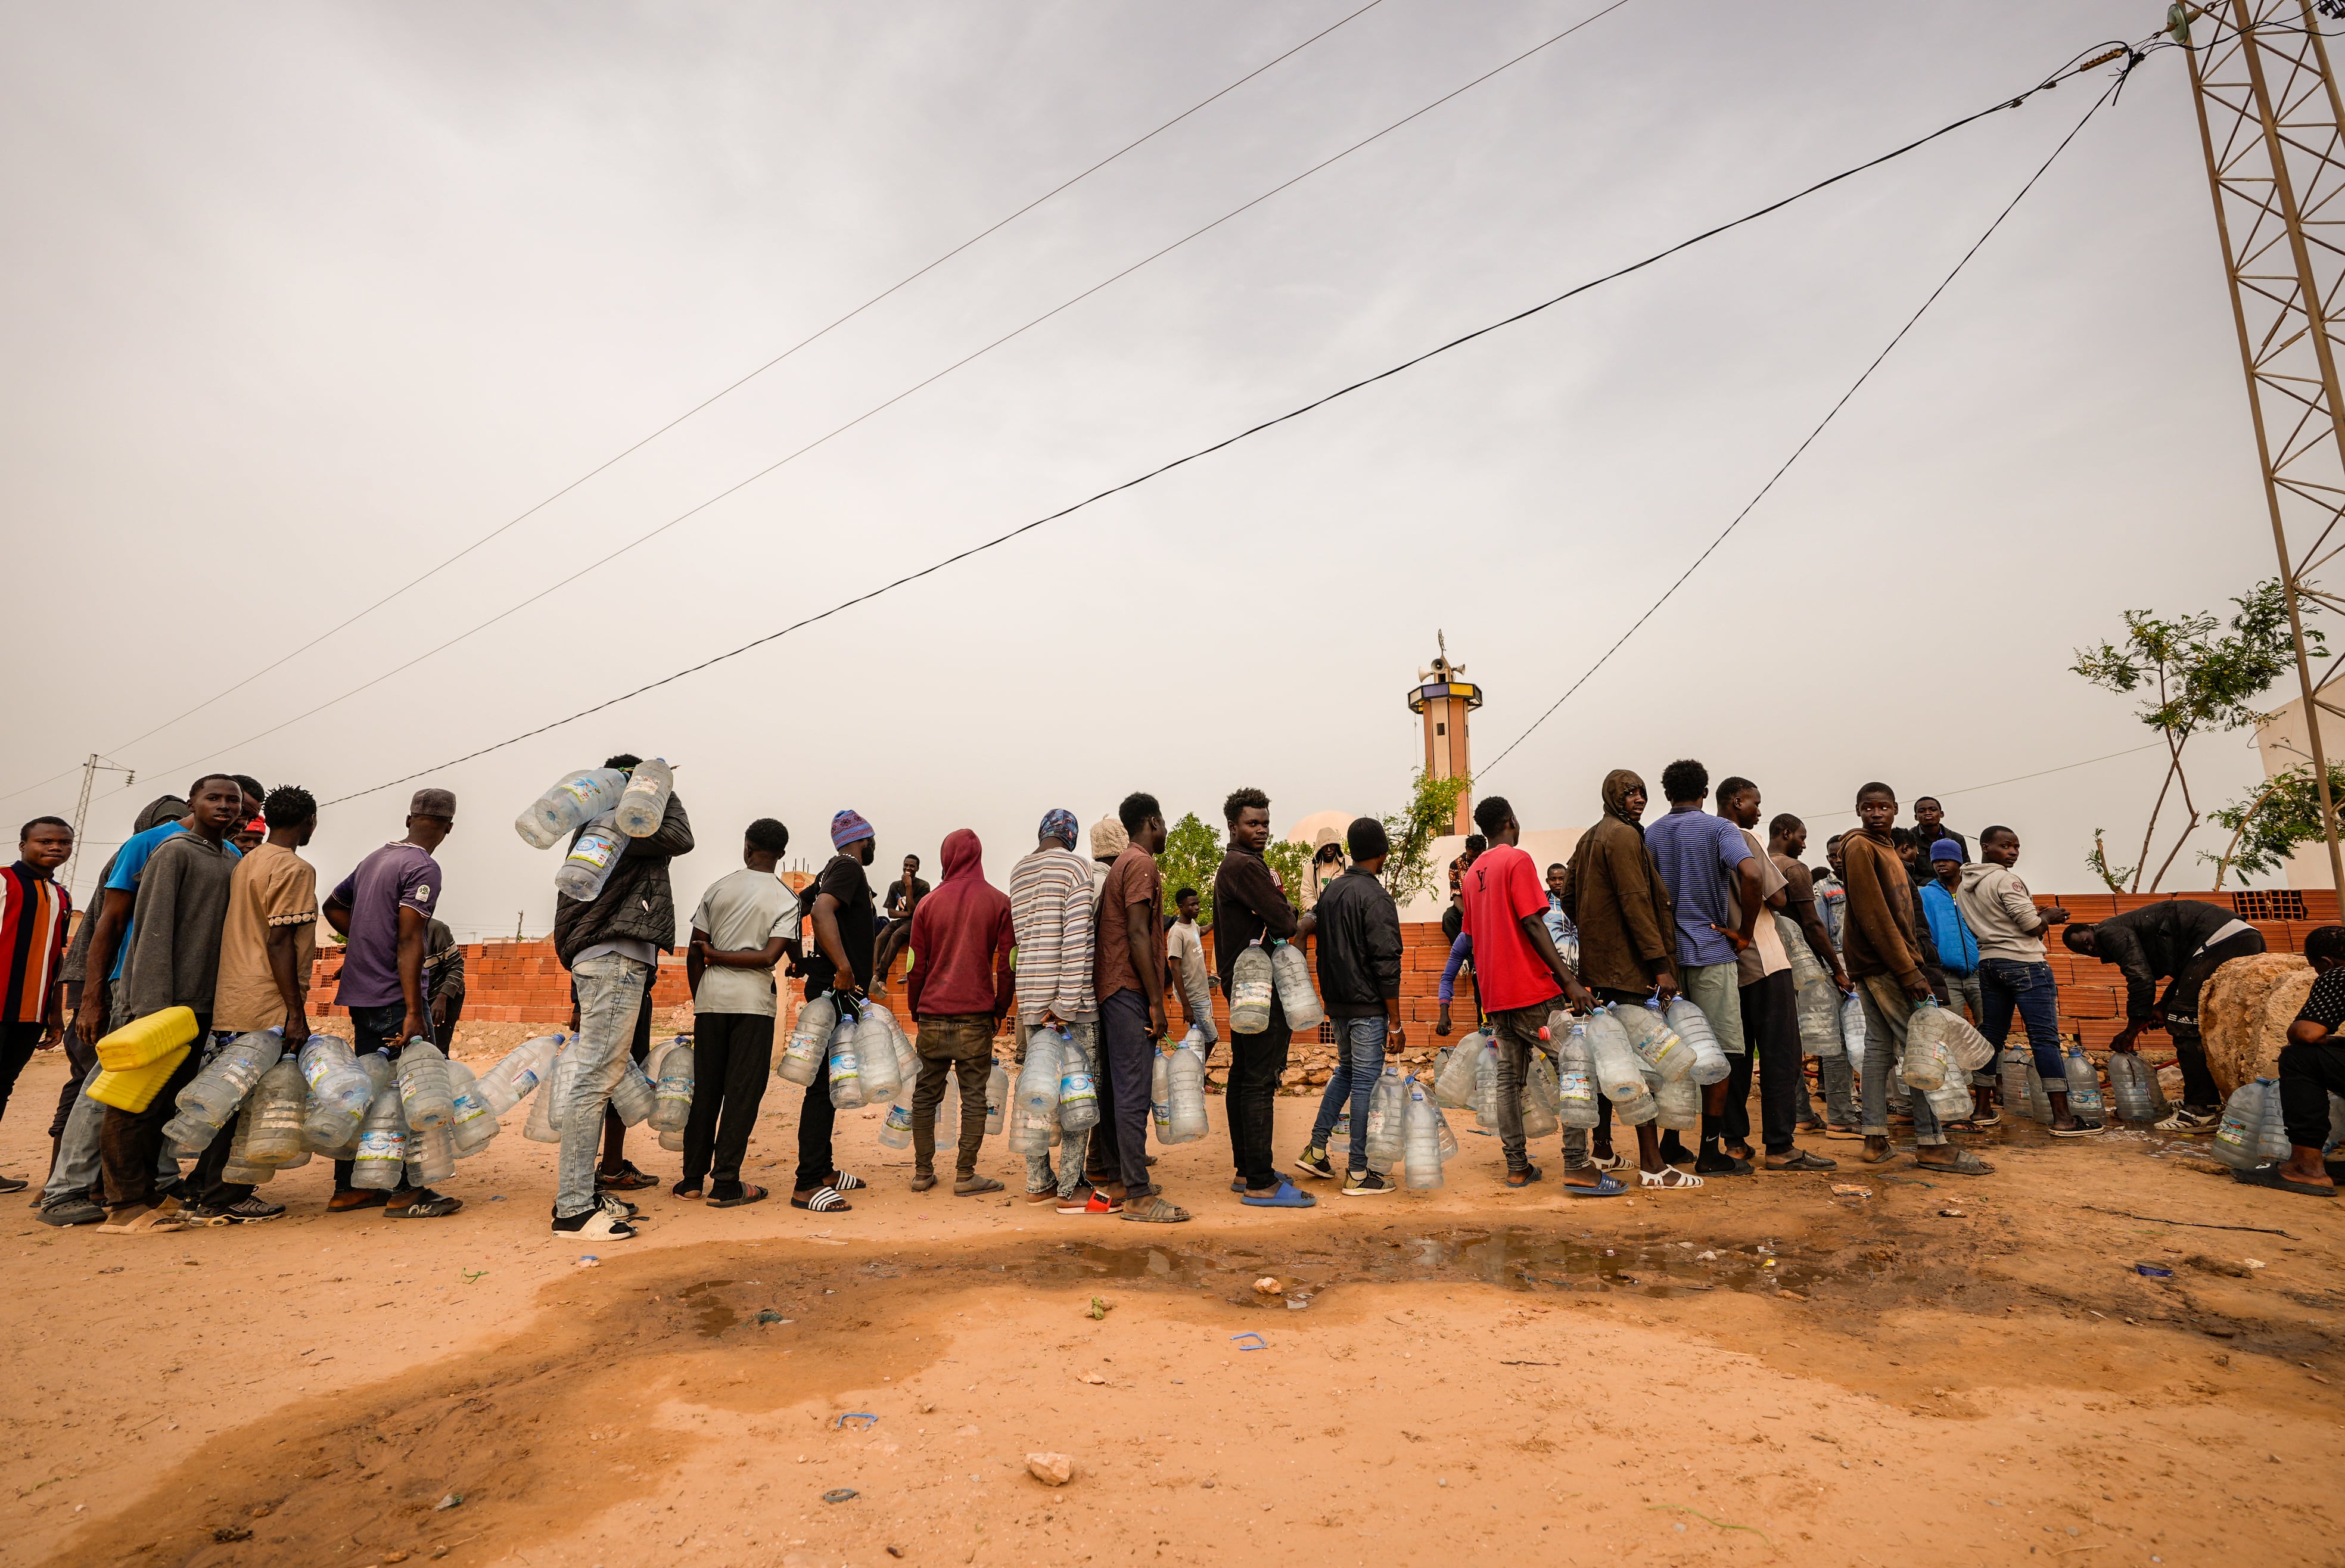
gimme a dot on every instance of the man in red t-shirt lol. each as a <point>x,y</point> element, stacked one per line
<point>1521,974</point>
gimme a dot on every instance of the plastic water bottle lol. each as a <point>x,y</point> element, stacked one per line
<point>1575,1081</point>
<point>1454,1076</point>
<point>431,1156</point>
<point>212,1096</point>
<point>475,1124</point>
<point>2134,1093</point>
<point>635,1097</point>
<point>672,1105</point>
<point>1614,1063</point>
<point>1420,1141</point>
<point>422,1075</point>
<point>542,1126</point>
<point>1677,1104</point>
<point>1710,1063</point>
<point>508,1083</point>
<point>1291,973</point>
<point>809,1042</point>
<point>2039,1103</point>
<point>591,861</point>
<point>1659,1046</point>
<point>1078,1088</point>
<point>1251,986</point>
<point>877,1056</point>
<point>1816,1004</point>
<point>2011,1077</point>
<point>2238,1141</point>
<point>1160,1093</point>
<point>846,1067</point>
<point>1186,1079</point>
<point>1039,1076</point>
<point>1540,1098</point>
<point>1638,1109</point>
<point>644,801</point>
<point>1387,1103</point>
<point>1486,1083</point>
<point>896,1132</point>
<point>2272,1140</point>
<point>1851,1026</point>
<point>1805,965</point>
<point>997,1098</point>
<point>580,798</point>
<point>382,1156</point>
<point>1922,1061</point>
<point>238,1168</point>
<point>338,1092</point>
<point>275,1108</point>
<point>2085,1101</point>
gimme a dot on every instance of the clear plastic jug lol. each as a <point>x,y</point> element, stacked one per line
<point>1816,1004</point>
<point>672,1102</point>
<point>1186,1081</point>
<point>1387,1103</point>
<point>421,1073</point>
<point>431,1157</point>
<point>275,1109</point>
<point>340,1093</point>
<point>1251,986</point>
<point>1079,1108</point>
<point>997,1098</point>
<point>524,1066</point>
<point>579,798</point>
<point>1677,1104</point>
<point>644,801</point>
<point>2133,1091</point>
<point>635,1097</point>
<point>1289,972</point>
<point>809,1042</point>
<point>1038,1076</point>
<point>1575,1081</point>
<point>1420,1141</point>
<point>211,1098</point>
<point>2085,1101</point>
<point>591,861</point>
<point>1710,1063</point>
<point>847,1065</point>
<point>2238,1141</point>
<point>1614,1062</point>
<point>1924,1059</point>
<point>1852,1029</point>
<point>1455,1075</point>
<point>1659,1046</point>
<point>1541,1097</point>
<point>474,1125</point>
<point>382,1158</point>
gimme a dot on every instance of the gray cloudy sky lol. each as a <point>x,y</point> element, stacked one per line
<point>300,298</point>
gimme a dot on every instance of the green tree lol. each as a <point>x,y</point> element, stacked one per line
<point>1431,812</point>
<point>1291,861</point>
<point>2191,679</point>
<point>2269,824</point>
<point>1192,853</point>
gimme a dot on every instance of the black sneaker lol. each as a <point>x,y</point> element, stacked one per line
<point>250,1210</point>
<point>595,1225</point>
<point>1367,1184</point>
<point>72,1210</point>
<point>1315,1162</point>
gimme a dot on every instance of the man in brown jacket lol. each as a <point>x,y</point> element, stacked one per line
<point>1613,893</point>
<point>1885,961</point>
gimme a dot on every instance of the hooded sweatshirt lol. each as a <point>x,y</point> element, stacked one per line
<point>960,939</point>
<point>1628,930</point>
<point>1879,937</point>
<point>2001,913</point>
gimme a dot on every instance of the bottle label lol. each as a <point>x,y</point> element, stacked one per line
<point>580,789</point>
<point>1250,994</point>
<point>595,850</point>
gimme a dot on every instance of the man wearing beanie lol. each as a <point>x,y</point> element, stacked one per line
<point>1359,980</point>
<point>1051,919</point>
<point>837,905</point>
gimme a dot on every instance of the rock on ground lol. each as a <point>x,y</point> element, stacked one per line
<point>2244,1012</point>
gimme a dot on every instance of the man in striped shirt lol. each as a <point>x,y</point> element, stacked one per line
<point>33,911</point>
<point>1051,920</point>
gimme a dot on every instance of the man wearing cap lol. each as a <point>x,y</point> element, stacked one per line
<point>383,910</point>
<point>1051,919</point>
<point>837,904</point>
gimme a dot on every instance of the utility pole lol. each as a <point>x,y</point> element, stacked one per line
<point>90,769</point>
<point>2274,134</point>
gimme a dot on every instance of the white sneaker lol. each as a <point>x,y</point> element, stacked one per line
<point>601,1225</point>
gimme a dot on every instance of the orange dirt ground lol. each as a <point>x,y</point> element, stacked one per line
<point>1957,1370</point>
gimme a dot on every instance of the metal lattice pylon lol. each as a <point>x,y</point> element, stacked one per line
<point>2275,138</point>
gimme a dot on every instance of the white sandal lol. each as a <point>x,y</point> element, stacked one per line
<point>845,1180</point>
<point>1668,1175</point>
<point>826,1201</point>
<point>1610,1162</point>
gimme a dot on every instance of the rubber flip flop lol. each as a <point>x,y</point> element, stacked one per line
<point>974,1186</point>
<point>1288,1196</point>
<point>681,1191</point>
<point>1519,1179</point>
<point>1803,1160</point>
<point>2269,1176</point>
<point>1158,1212</point>
<point>826,1202</point>
<point>435,1207</point>
<point>1964,1164</point>
<point>1606,1187</point>
<point>747,1195</point>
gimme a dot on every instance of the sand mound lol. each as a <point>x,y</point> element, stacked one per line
<point>2244,1012</point>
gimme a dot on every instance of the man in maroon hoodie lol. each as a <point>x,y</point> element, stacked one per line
<point>960,989</point>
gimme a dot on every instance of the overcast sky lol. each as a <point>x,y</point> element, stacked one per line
<point>300,299</point>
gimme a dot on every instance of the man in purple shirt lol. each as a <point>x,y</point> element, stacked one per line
<point>1704,860</point>
<point>383,911</point>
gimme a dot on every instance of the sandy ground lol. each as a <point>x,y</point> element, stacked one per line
<point>1967,1371</point>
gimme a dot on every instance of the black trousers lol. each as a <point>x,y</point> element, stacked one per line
<point>1251,1098</point>
<point>1127,1061</point>
<point>80,1059</point>
<point>1770,1044</point>
<point>2179,1011</point>
<point>16,1043</point>
<point>2309,1074</point>
<point>816,1119</point>
<point>731,1054</point>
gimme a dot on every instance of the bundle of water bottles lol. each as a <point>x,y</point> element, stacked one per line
<point>2253,1131</point>
<point>417,1116</point>
<point>872,1062</point>
<point>612,806</point>
<point>1282,971</point>
<point>1651,1062</point>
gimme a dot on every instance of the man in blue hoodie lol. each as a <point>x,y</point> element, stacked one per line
<point>1958,955</point>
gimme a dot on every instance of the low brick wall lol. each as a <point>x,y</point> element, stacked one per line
<point>522,982</point>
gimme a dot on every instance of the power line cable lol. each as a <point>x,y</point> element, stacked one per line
<point>1001,539</point>
<point>616,458</point>
<point>2015,778</point>
<point>1830,414</point>
<point>734,489</point>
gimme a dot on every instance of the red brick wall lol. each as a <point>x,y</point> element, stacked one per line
<point>520,982</point>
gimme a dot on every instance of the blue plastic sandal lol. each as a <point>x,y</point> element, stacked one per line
<point>1288,1196</point>
<point>1606,1187</point>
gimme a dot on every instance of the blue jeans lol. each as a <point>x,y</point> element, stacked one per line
<point>610,994</point>
<point>2007,983</point>
<point>1358,1066</point>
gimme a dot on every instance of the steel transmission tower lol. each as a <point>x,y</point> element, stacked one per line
<point>2274,133</point>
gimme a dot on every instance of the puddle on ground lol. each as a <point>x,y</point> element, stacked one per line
<point>712,1317</point>
<point>1519,1260</point>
